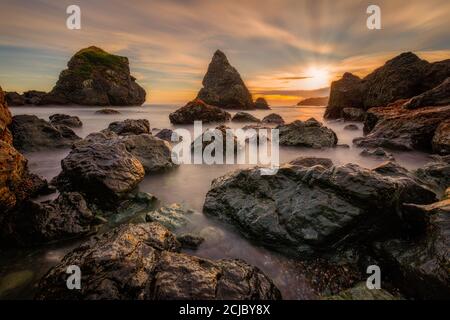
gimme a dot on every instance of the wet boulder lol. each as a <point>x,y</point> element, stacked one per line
<point>142,262</point>
<point>441,138</point>
<point>273,118</point>
<point>353,114</point>
<point>311,162</point>
<point>66,120</point>
<point>198,110</point>
<point>130,127</point>
<point>244,117</point>
<point>166,134</point>
<point>310,133</point>
<point>172,217</point>
<point>378,153</point>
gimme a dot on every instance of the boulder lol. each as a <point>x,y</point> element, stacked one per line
<point>315,101</point>
<point>262,104</point>
<point>438,96</point>
<point>153,153</point>
<point>309,211</point>
<point>360,292</point>
<point>165,134</point>
<point>33,96</point>
<point>344,93</point>
<point>14,99</point>
<point>208,138</point>
<point>198,110</point>
<point>190,241</point>
<point>353,114</point>
<point>96,78</point>
<point>223,86</point>
<point>66,120</point>
<point>377,153</point>
<point>130,127</point>
<point>311,162</point>
<point>141,262</point>
<point>441,138</point>
<point>351,127</point>
<point>395,127</point>
<point>273,118</point>
<point>107,111</point>
<point>310,133</point>
<point>436,173</point>
<point>172,217</point>
<point>101,168</point>
<point>33,134</point>
<point>244,117</point>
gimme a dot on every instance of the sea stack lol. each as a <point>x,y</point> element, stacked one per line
<point>223,86</point>
<point>96,77</point>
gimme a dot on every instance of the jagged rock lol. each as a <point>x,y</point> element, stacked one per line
<point>441,138</point>
<point>306,211</point>
<point>351,127</point>
<point>95,77</point>
<point>141,262</point>
<point>420,266</point>
<point>32,134</point>
<point>438,96</point>
<point>310,133</point>
<point>273,118</point>
<point>378,153</point>
<point>190,241</point>
<point>344,93</point>
<point>360,292</point>
<point>101,168</point>
<point>436,174</point>
<point>399,128</point>
<point>244,117</point>
<point>14,99</point>
<point>353,114</point>
<point>33,223</point>
<point>198,110</point>
<point>261,103</point>
<point>107,111</point>
<point>66,120</point>
<point>223,86</point>
<point>315,101</point>
<point>153,153</point>
<point>311,162</point>
<point>130,127</point>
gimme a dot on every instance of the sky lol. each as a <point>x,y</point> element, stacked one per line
<point>285,50</point>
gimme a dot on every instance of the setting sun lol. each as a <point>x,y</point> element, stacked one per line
<point>318,77</point>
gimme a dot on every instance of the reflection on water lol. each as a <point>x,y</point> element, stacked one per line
<point>188,185</point>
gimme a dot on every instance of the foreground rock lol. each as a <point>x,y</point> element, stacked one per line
<point>172,217</point>
<point>306,211</point>
<point>353,114</point>
<point>66,120</point>
<point>402,77</point>
<point>166,134</point>
<point>33,134</point>
<point>377,153</point>
<point>141,262</point>
<point>130,127</point>
<point>315,101</point>
<point>95,77</point>
<point>436,174</point>
<point>273,118</point>
<point>262,104</point>
<point>360,292</point>
<point>441,139</point>
<point>438,96</point>
<point>198,110</point>
<point>311,162</point>
<point>395,127</point>
<point>244,117</point>
<point>311,134</point>
<point>223,86</point>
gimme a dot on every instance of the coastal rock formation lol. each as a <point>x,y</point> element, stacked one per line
<point>395,127</point>
<point>141,262</point>
<point>273,118</point>
<point>402,77</point>
<point>244,117</point>
<point>438,96</point>
<point>107,111</point>
<point>198,110</point>
<point>441,138</point>
<point>14,99</point>
<point>353,114</point>
<point>311,162</point>
<point>33,134</point>
<point>310,133</point>
<point>223,86</point>
<point>66,120</point>
<point>315,101</point>
<point>377,153</point>
<point>33,96</point>
<point>262,104</point>
<point>95,77</point>
<point>305,211</point>
<point>436,174</point>
<point>130,127</point>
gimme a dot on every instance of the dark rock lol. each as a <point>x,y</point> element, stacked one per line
<point>311,134</point>
<point>107,111</point>
<point>244,117</point>
<point>344,93</point>
<point>95,77</point>
<point>273,118</point>
<point>14,99</point>
<point>223,86</point>
<point>441,138</point>
<point>130,126</point>
<point>215,139</point>
<point>311,162</point>
<point>141,262</point>
<point>360,292</point>
<point>305,211</point>
<point>436,174</point>
<point>351,127</point>
<point>190,241</point>
<point>261,103</point>
<point>33,96</point>
<point>403,129</point>
<point>166,134</point>
<point>198,110</point>
<point>378,153</point>
<point>353,114</point>
<point>32,134</point>
<point>315,101</point>
<point>66,120</point>
<point>172,217</point>
<point>438,96</point>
